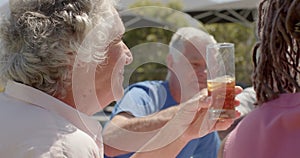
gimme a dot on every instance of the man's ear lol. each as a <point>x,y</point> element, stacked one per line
<point>170,60</point>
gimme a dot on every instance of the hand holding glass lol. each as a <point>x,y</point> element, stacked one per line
<point>221,80</point>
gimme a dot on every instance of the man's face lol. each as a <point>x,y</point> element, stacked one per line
<point>190,69</point>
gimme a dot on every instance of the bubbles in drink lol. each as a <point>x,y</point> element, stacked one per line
<point>222,92</point>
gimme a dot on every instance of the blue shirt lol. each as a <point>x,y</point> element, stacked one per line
<point>144,98</point>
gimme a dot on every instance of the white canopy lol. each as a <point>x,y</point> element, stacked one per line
<point>3,6</point>
<point>2,2</point>
<point>203,5</point>
<point>206,11</point>
<point>214,11</point>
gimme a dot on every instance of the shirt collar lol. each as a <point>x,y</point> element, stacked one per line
<point>38,98</point>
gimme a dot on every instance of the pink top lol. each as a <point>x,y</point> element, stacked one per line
<point>271,131</point>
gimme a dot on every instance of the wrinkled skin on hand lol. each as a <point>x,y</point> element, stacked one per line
<point>193,116</point>
<point>191,121</point>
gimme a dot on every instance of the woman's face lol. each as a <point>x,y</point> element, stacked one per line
<point>109,75</point>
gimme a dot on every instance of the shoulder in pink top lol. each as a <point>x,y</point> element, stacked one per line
<point>270,131</point>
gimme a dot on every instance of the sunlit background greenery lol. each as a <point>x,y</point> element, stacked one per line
<point>242,36</point>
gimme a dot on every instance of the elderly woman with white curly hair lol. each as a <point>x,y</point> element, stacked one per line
<point>46,104</point>
<point>62,61</point>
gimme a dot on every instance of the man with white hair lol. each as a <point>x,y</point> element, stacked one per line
<point>61,61</point>
<point>149,105</point>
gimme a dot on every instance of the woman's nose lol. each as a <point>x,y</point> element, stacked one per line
<point>128,54</point>
<point>129,59</point>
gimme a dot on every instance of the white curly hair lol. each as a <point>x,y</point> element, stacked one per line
<point>39,39</point>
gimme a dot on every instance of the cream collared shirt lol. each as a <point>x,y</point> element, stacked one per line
<point>36,125</point>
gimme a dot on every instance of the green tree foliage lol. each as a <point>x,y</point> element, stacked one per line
<point>243,38</point>
<point>164,13</point>
<point>150,70</point>
<point>160,12</point>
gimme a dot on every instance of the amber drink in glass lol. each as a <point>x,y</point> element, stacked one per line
<point>221,80</point>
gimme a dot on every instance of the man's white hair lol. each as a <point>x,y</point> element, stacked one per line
<point>191,35</point>
<point>196,37</point>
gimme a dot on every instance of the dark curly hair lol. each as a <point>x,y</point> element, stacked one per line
<point>276,55</point>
